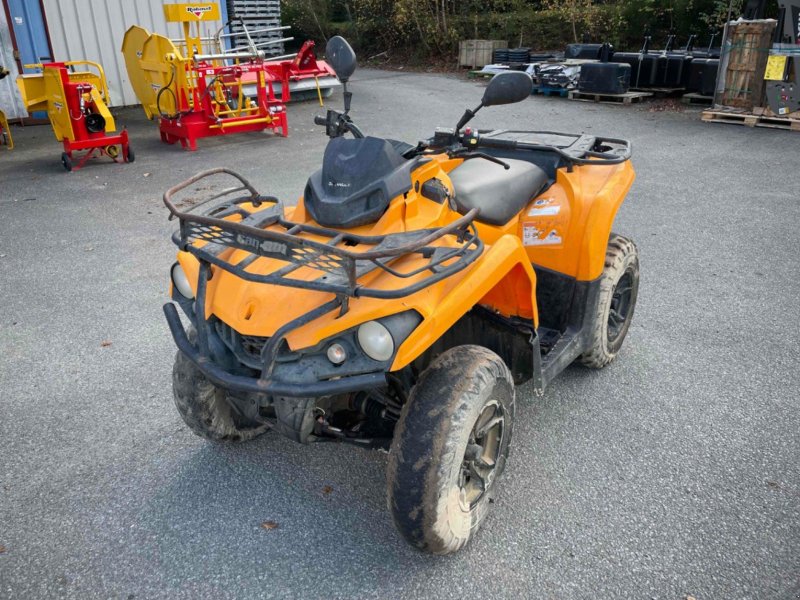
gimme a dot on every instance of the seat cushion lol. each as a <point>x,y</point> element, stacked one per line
<point>499,193</point>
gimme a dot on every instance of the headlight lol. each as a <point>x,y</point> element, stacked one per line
<point>376,341</point>
<point>180,281</point>
<point>336,353</point>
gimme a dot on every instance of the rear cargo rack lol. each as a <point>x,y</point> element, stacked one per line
<point>240,220</point>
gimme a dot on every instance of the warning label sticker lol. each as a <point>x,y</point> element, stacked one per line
<point>533,236</point>
<point>545,211</point>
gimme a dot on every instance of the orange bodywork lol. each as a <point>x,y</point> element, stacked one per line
<point>579,207</point>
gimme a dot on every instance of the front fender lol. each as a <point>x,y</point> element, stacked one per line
<point>502,279</point>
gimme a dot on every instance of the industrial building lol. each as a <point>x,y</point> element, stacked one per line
<point>32,31</point>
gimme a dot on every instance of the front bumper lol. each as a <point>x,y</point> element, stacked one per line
<point>238,383</point>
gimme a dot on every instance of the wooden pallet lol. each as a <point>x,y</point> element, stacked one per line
<point>750,120</point>
<point>660,92</point>
<point>550,91</point>
<point>779,123</point>
<point>627,98</point>
<point>480,74</point>
<point>742,80</point>
<point>766,111</point>
<point>697,99</point>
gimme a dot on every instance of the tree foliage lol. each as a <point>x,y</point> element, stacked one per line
<point>432,28</point>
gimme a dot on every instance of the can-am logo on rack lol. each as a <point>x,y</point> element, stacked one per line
<point>265,245</point>
<point>199,11</point>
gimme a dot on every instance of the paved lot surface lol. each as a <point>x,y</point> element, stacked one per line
<point>673,472</point>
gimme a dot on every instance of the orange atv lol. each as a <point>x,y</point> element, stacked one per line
<point>403,298</point>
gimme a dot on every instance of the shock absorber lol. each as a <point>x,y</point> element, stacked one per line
<point>367,404</point>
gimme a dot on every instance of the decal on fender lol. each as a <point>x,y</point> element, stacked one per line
<point>533,236</point>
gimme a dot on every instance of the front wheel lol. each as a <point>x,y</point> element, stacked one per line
<point>206,408</point>
<point>450,446</point>
<point>619,289</point>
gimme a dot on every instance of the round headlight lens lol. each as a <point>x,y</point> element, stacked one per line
<point>181,282</point>
<point>376,341</point>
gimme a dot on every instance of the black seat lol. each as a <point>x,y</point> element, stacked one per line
<point>499,193</point>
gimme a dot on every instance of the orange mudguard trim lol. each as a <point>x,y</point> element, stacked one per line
<point>505,259</point>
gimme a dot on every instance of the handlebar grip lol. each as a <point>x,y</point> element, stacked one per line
<point>320,120</point>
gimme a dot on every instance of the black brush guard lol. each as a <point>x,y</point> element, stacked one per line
<point>340,270</point>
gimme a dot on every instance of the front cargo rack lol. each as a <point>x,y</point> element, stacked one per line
<point>293,243</point>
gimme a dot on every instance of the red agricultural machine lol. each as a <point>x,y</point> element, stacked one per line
<point>197,87</point>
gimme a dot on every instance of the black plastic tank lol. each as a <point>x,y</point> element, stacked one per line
<point>632,60</point>
<point>665,74</point>
<point>583,51</point>
<point>648,70</point>
<point>703,76</point>
<point>672,69</point>
<point>605,77</point>
<point>643,65</point>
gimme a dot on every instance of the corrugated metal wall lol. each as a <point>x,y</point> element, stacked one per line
<point>10,101</point>
<point>93,30</point>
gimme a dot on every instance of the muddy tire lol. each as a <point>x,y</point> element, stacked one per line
<point>205,408</point>
<point>619,289</point>
<point>450,446</point>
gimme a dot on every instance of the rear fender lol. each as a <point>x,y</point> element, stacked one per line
<point>580,210</point>
<point>600,220</point>
<point>502,279</point>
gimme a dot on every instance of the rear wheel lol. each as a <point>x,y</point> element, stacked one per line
<point>207,409</point>
<point>66,161</point>
<point>450,446</point>
<point>619,289</point>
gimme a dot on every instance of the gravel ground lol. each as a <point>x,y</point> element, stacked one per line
<point>673,472</point>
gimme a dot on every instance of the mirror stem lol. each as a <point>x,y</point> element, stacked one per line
<point>348,96</point>
<point>467,116</point>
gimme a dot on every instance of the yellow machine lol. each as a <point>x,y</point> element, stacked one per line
<point>401,300</point>
<point>193,86</point>
<point>5,132</point>
<point>132,45</point>
<point>76,104</point>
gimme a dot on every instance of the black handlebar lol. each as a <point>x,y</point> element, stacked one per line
<point>337,124</point>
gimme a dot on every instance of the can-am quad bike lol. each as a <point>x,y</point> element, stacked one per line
<point>403,298</point>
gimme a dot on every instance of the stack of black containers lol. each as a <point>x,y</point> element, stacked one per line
<point>689,69</point>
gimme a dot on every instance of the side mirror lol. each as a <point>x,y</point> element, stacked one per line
<point>341,57</point>
<point>507,88</point>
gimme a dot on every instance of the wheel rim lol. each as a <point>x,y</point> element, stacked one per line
<point>481,457</point>
<point>620,308</point>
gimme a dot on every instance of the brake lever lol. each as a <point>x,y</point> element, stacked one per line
<point>469,154</point>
